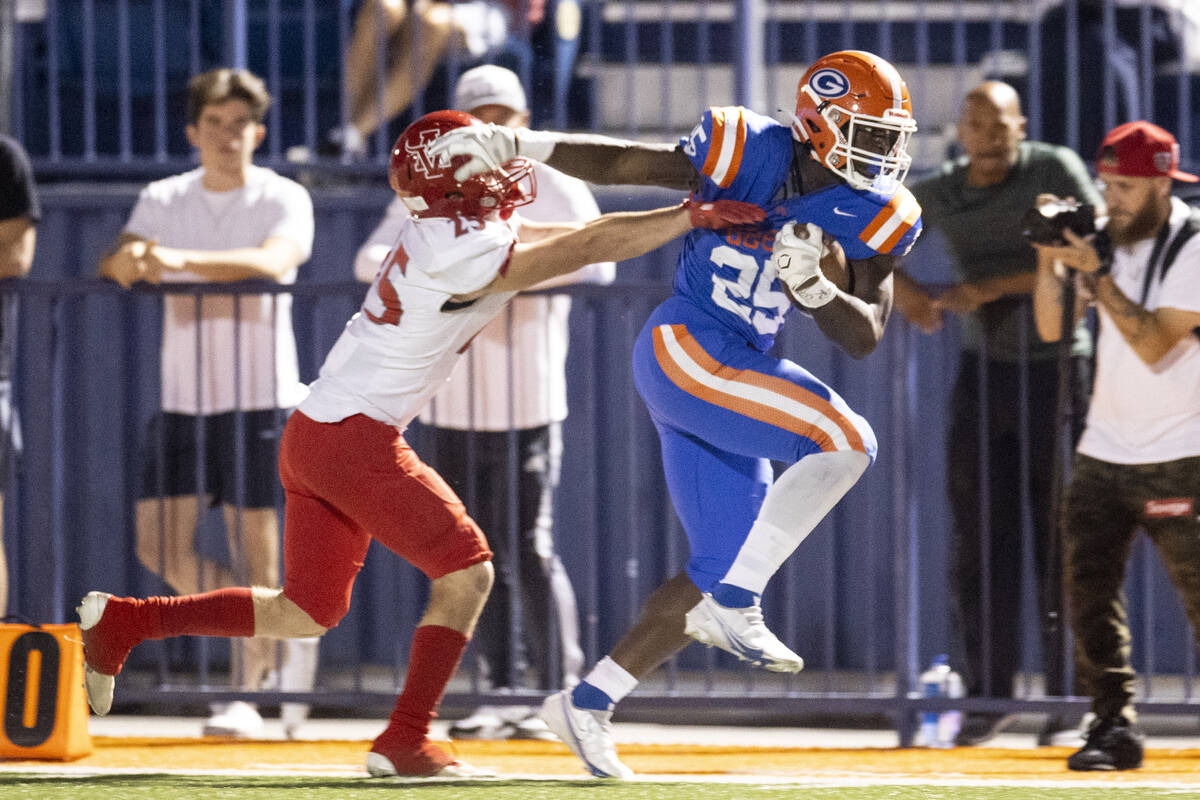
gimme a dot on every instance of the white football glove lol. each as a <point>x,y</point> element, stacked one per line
<point>797,259</point>
<point>490,145</point>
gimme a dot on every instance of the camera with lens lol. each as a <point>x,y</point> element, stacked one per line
<point>1045,224</point>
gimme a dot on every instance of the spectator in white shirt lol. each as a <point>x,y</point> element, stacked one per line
<point>229,372</point>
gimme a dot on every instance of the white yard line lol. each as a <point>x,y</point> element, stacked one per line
<point>749,779</point>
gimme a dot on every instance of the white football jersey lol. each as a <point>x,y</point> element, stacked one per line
<point>514,374</point>
<point>399,349</point>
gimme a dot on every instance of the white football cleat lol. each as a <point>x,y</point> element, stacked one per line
<point>391,757</point>
<point>379,766</point>
<point>587,733</point>
<point>98,685</point>
<point>742,632</point>
<point>239,719</point>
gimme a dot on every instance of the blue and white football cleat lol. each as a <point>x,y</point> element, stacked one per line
<point>587,733</point>
<point>742,632</point>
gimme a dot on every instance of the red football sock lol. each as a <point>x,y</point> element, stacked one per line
<point>432,661</point>
<point>223,612</point>
<point>128,621</point>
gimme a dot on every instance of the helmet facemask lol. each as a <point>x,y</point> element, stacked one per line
<point>869,152</point>
<point>509,186</point>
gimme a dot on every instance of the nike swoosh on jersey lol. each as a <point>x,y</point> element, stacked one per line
<point>841,213</point>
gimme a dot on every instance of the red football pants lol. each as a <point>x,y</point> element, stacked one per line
<point>352,481</point>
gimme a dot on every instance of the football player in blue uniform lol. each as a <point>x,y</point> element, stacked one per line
<point>838,219</point>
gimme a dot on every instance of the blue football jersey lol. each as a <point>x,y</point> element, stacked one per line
<point>746,156</point>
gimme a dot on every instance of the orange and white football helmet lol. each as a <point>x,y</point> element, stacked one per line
<point>853,108</point>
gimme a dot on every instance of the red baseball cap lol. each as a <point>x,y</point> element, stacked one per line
<point>1141,149</point>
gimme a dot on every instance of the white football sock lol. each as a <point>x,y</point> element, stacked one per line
<point>611,678</point>
<point>794,505</point>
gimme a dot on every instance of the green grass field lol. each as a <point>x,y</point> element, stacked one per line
<point>205,787</point>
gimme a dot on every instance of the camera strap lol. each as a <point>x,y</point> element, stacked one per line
<point>1190,227</point>
<point>1159,243</point>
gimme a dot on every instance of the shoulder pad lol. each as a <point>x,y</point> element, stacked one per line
<point>715,146</point>
<point>898,216</point>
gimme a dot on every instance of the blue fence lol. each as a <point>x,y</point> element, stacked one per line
<point>863,599</point>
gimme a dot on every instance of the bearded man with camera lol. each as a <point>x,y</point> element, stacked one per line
<point>1137,465</point>
<point>1003,407</point>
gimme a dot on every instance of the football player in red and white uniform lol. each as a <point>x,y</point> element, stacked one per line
<point>723,407</point>
<point>349,475</point>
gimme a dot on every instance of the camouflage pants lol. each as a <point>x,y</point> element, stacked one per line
<point>1106,505</point>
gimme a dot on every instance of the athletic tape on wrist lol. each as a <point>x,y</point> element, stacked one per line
<point>816,295</point>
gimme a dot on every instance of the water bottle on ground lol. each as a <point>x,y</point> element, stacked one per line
<point>950,720</point>
<point>939,728</point>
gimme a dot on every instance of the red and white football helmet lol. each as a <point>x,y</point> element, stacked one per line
<point>427,186</point>
<point>853,108</point>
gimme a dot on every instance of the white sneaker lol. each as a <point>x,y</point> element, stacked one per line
<point>485,722</point>
<point>239,719</point>
<point>587,733</point>
<point>298,674</point>
<point>532,727</point>
<point>740,631</point>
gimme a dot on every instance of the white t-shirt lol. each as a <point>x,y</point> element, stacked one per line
<point>401,346</point>
<point>496,387</point>
<point>1147,414</point>
<point>262,367</point>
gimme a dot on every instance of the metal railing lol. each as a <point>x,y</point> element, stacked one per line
<point>861,600</point>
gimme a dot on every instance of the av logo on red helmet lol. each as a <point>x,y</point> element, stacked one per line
<point>829,83</point>
<point>418,155</point>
